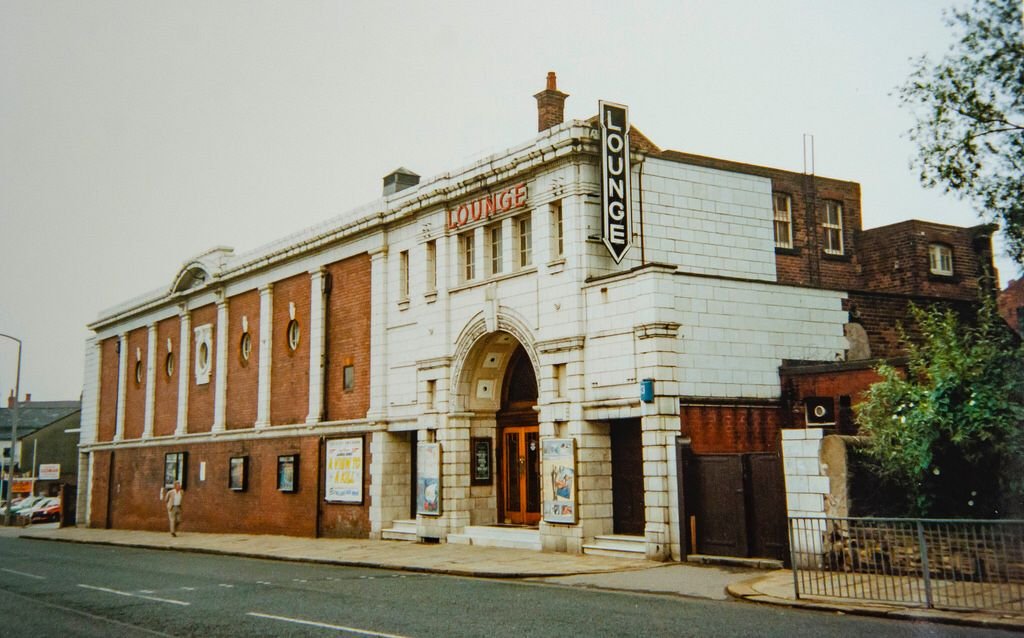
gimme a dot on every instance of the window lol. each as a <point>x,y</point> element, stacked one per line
<point>403,276</point>
<point>940,258</point>
<point>138,372</point>
<point>468,256</point>
<point>432,265</point>
<point>833,228</point>
<point>494,246</point>
<point>294,334</point>
<point>783,220</point>
<point>348,377</point>
<point>203,356</point>
<point>524,235</point>
<point>169,364</point>
<point>557,236</point>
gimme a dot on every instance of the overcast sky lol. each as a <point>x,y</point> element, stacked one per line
<point>137,134</point>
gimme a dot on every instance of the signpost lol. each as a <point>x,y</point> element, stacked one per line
<point>616,230</point>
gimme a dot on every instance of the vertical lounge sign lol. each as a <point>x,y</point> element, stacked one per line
<point>615,191</point>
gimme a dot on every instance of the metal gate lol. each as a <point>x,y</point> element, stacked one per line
<point>735,505</point>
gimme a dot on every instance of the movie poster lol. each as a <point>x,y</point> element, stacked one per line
<point>344,480</point>
<point>558,480</point>
<point>428,479</point>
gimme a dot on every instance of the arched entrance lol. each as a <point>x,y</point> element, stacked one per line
<point>518,444</point>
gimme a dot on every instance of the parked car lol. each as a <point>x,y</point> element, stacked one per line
<point>47,511</point>
<point>20,507</point>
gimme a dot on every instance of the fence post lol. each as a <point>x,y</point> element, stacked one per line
<point>925,571</point>
<point>791,524</point>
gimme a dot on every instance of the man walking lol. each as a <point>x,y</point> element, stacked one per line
<point>173,500</point>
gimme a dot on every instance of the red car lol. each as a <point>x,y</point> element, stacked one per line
<point>47,514</point>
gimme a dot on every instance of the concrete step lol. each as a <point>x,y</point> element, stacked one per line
<point>404,530</point>
<point>618,546</point>
<point>486,536</point>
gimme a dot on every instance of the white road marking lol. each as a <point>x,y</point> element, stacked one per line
<point>32,600</point>
<point>189,588</point>
<point>131,595</point>
<point>11,571</point>
<point>146,591</point>
<point>226,585</point>
<point>262,582</point>
<point>323,625</point>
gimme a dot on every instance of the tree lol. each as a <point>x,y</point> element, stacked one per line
<point>969,110</point>
<point>948,433</point>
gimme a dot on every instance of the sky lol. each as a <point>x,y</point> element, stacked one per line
<point>136,134</point>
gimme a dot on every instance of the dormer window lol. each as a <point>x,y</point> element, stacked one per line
<point>940,259</point>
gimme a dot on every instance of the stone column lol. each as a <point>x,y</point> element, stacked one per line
<point>184,374</point>
<point>147,428</point>
<point>266,339</point>
<point>657,355</point>
<point>122,384</point>
<point>220,392</point>
<point>378,332</point>
<point>317,336</point>
<point>455,463</point>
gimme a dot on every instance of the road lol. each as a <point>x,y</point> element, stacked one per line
<point>63,589</point>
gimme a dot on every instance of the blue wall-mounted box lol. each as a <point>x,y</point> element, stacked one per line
<point>647,390</point>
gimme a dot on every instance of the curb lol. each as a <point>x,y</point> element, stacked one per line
<point>747,591</point>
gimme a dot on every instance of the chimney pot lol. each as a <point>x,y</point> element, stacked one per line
<point>550,104</point>
<point>28,397</point>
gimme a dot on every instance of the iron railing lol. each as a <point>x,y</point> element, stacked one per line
<point>949,564</point>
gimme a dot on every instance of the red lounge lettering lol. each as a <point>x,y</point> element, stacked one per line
<point>487,206</point>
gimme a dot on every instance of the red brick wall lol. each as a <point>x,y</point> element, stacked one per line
<point>100,488</point>
<point>895,259</point>
<point>210,506</point>
<point>719,429</point>
<point>107,417</point>
<point>348,338</point>
<point>135,392</point>
<point>165,411</point>
<point>243,376</point>
<point>836,381</point>
<point>200,397</point>
<point>883,314</point>
<point>289,377</point>
<point>339,520</point>
<point>1011,299</point>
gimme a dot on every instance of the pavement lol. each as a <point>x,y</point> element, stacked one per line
<point>734,579</point>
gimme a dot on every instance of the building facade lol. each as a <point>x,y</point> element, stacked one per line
<point>467,351</point>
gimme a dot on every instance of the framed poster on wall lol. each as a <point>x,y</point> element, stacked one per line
<point>238,473</point>
<point>174,469</point>
<point>288,472</point>
<point>558,480</point>
<point>428,479</point>
<point>481,450</point>
<point>344,466</point>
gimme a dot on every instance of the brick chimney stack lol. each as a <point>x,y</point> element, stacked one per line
<point>11,399</point>
<point>550,105</point>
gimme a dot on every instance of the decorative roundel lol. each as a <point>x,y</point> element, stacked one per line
<point>819,411</point>
<point>245,347</point>
<point>293,334</point>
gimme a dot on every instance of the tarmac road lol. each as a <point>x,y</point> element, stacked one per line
<point>86,590</point>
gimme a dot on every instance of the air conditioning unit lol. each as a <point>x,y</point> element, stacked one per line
<point>819,411</point>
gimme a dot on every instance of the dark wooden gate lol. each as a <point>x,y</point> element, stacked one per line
<point>735,505</point>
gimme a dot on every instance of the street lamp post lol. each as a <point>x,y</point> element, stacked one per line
<point>14,430</point>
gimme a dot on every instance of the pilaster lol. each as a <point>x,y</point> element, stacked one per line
<point>147,428</point>
<point>266,339</point>
<point>317,338</point>
<point>220,396</point>
<point>122,384</point>
<point>378,333</point>
<point>184,374</point>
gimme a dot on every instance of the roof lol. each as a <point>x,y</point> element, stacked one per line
<point>33,415</point>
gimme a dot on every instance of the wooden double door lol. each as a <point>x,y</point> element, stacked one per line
<point>520,474</point>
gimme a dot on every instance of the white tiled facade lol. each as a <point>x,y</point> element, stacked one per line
<point>693,306</point>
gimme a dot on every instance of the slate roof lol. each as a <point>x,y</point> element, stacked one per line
<point>36,414</point>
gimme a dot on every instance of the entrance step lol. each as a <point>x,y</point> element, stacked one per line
<point>509,537</point>
<point>617,546</point>
<point>400,531</point>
